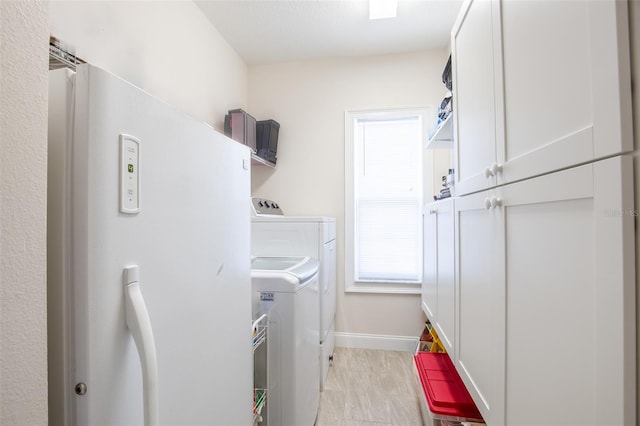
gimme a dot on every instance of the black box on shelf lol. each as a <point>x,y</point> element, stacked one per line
<point>241,127</point>
<point>267,139</point>
<point>447,78</point>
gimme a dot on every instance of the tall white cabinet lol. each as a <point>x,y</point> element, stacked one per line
<point>540,321</point>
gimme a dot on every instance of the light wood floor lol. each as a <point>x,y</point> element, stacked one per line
<point>368,387</point>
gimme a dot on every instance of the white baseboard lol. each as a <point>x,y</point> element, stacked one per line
<point>375,341</point>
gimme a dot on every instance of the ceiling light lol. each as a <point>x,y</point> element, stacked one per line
<point>380,9</point>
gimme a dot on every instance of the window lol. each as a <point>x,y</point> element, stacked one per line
<point>383,166</point>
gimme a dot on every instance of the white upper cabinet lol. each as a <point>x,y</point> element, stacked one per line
<point>538,86</point>
<point>567,90</point>
<point>477,80</point>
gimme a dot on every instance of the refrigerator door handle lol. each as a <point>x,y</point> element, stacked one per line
<point>139,323</point>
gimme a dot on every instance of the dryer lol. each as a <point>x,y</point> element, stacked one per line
<point>275,234</point>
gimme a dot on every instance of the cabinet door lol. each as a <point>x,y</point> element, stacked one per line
<point>567,92</point>
<point>445,268</point>
<point>429,265</point>
<point>570,294</point>
<point>480,337</point>
<point>438,293</point>
<point>477,83</point>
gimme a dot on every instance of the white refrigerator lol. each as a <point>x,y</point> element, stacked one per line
<point>148,261</point>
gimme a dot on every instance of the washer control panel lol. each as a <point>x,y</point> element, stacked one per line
<point>264,207</point>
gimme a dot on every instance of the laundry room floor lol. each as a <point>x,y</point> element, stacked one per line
<point>370,387</point>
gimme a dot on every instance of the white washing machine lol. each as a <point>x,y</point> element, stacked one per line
<point>275,234</point>
<point>286,289</point>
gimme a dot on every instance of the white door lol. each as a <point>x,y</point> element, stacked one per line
<point>479,353</point>
<point>477,82</point>
<point>546,297</point>
<point>190,240</point>
<point>570,296</point>
<point>429,263</point>
<point>567,93</point>
<point>446,273</point>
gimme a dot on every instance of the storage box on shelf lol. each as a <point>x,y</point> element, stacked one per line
<point>267,132</point>
<point>241,127</point>
<point>260,136</point>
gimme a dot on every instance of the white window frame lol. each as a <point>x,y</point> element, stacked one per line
<point>351,116</point>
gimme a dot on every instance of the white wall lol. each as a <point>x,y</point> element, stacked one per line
<point>167,48</point>
<point>23,183</point>
<point>308,99</point>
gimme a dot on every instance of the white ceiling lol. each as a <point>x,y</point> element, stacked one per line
<point>264,31</point>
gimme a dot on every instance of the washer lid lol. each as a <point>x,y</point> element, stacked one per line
<point>278,263</point>
<point>295,270</point>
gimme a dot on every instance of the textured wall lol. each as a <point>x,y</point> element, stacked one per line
<point>23,184</point>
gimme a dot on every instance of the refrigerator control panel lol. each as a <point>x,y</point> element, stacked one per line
<point>129,174</point>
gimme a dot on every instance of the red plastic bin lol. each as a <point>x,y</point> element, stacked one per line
<point>447,400</point>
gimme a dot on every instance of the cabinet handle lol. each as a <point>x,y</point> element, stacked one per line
<point>433,211</point>
<point>492,203</point>
<point>493,170</point>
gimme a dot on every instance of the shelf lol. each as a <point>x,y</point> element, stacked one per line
<point>259,400</point>
<point>260,378</point>
<point>259,332</point>
<point>260,335</point>
<point>261,161</point>
<point>442,137</point>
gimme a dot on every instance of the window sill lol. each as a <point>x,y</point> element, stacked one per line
<point>383,288</point>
